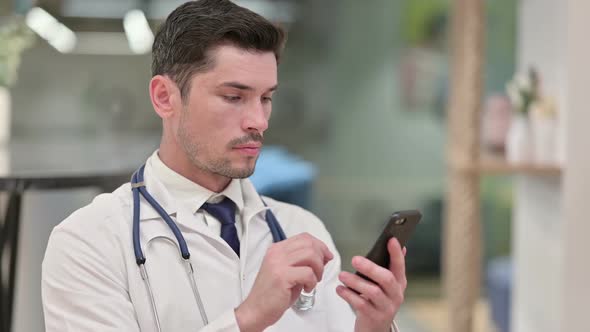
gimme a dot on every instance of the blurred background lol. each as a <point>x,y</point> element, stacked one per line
<point>359,126</point>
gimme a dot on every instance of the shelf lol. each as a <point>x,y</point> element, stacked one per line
<point>497,164</point>
<point>492,164</point>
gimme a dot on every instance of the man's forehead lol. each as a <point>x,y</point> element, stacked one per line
<point>230,64</point>
<point>229,49</point>
<point>230,57</point>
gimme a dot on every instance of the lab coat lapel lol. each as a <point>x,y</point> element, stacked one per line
<point>255,227</point>
<point>181,215</point>
<point>253,204</point>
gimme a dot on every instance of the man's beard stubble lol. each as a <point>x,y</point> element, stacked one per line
<point>222,165</point>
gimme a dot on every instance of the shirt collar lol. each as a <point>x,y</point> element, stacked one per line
<point>191,193</point>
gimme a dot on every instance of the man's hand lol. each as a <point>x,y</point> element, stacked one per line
<point>288,267</point>
<point>376,303</point>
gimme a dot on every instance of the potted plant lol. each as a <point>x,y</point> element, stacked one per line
<point>15,37</point>
<point>523,92</point>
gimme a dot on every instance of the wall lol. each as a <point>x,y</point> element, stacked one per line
<point>550,289</point>
<point>576,182</point>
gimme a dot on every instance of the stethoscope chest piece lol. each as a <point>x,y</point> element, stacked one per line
<point>306,301</point>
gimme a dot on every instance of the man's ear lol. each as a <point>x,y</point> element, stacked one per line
<point>165,96</point>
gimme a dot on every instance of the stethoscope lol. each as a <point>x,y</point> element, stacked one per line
<point>304,303</point>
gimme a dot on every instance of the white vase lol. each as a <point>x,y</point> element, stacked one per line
<point>519,141</point>
<point>5,115</point>
<point>544,129</point>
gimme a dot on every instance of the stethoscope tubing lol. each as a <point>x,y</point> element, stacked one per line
<point>139,189</point>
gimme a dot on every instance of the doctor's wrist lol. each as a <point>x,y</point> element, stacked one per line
<point>247,320</point>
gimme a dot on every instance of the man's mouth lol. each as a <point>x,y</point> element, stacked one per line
<point>251,149</point>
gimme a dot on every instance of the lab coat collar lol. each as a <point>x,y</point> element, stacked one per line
<point>253,204</point>
<point>152,224</point>
<point>190,193</point>
<point>158,191</point>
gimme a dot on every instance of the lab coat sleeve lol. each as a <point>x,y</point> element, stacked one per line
<point>225,323</point>
<point>83,278</point>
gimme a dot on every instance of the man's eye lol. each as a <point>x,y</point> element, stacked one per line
<point>232,99</point>
<point>267,99</point>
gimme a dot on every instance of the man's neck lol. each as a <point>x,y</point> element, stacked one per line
<point>178,162</point>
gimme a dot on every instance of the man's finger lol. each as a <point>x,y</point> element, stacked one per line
<point>379,275</point>
<point>306,240</point>
<point>368,290</point>
<point>303,276</point>
<point>328,255</point>
<point>357,302</point>
<point>307,257</point>
<point>397,261</point>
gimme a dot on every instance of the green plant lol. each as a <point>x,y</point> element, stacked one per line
<point>15,37</point>
<point>523,91</point>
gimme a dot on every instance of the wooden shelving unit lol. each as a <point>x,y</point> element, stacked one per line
<point>493,164</point>
<point>497,164</point>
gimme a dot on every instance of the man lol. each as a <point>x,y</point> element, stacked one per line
<point>214,75</point>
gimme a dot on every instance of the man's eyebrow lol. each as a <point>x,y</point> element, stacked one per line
<point>241,86</point>
<point>237,85</point>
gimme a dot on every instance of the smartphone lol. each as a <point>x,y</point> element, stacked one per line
<point>401,225</point>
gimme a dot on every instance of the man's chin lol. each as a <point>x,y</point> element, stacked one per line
<point>245,170</point>
<point>241,173</point>
<point>238,172</point>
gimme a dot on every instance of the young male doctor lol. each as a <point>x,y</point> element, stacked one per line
<point>214,75</point>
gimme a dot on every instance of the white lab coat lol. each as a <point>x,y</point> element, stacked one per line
<point>91,281</point>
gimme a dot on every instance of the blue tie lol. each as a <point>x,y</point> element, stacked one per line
<point>225,212</point>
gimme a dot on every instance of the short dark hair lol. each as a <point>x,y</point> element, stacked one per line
<point>183,42</point>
